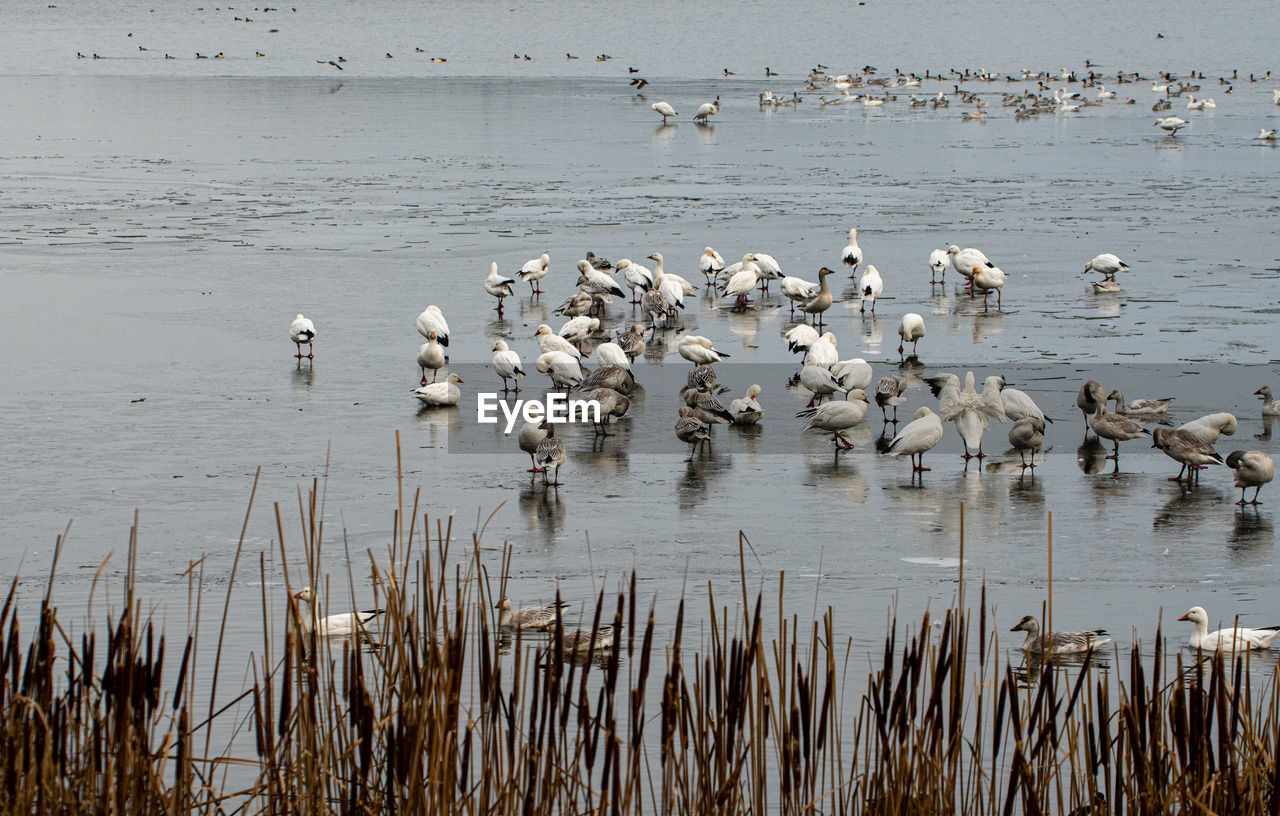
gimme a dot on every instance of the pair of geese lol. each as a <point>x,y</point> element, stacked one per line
<point>532,618</point>
<point>1234,639</point>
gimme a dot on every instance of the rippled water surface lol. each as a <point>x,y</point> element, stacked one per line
<point>162,221</point>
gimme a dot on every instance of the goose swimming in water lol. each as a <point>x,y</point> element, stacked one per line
<point>1058,642</point>
<point>1139,407</point>
<point>303,333</point>
<point>530,617</point>
<point>1235,639</point>
<point>1269,408</point>
<point>347,624</point>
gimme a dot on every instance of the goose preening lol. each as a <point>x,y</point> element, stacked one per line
<point>1235,639</point>
<point>801,338</point>
<point>598,262</point>
<point>563,369</point>
<point>1171,124</point>
<point>431,355</point>
<point>531,435</point>
<point>818,303</point>
<point>1051,643</point>
<point>1210,426</point>
<point>837,416</point>
<point>747,411</point>
<point>910,329</point>
<point>346,624</point>
<point>664,110</point>
<point>870,287</point>
<point>534,271</point>
<point>1027,434</point>
<point>889,391</point>
<point>691,430</point>
<point>303,333</point>
<point>769,268</point>
<point>705,110</point>
<point>699,350</point>
<point>705,406</point>
<point>938,263</point>
<point>579,329</point>
<point>1106,265</point>
<point>1185,448</point>
<point>609,353</point>
<point>597,282</point>
<point>853,373</point>
<point>431,320</point>
<point>711,263</point>
<point>1139,407</point>
<point>612,404</point>
<point>638,278</point>
<point>743,282</point>
<point>1267,135</point>
<point>1088,398</point>
<point>550,453</point>
<point>530,617</point>
<point>579,303</point>
<point>851,256</point>
<point>1017,405</point>
<point>506,364</point>
<point>971,414</point>
<point>658,307</point>
<point>820,382</point>
<point>921,435</point>
<point>549,341</point>
<point>1269,408</point>
<point>632,341</point>
<point>964,260</point>
<point>499,286</point>
<point>1116,427</point>
<point>822,352</point>
<point>988,279</point>
<point>438,394</point>
<point>1105,287</point>
<point>1253,469</point>
<point>703,378</point>
<point>614,377</point>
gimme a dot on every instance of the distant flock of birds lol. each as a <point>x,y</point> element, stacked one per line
<point>661,295</point>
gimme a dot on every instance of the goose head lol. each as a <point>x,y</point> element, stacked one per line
<point>1027,624</point>
<point>1196,615</point>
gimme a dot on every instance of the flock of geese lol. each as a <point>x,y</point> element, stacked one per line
<point>661,296</point>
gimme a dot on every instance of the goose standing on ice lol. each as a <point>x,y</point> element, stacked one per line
<point>838,416</point>
<point>851,255</point>
<point>531,435</point>
<point>711,263</point>
<point>598,262</point>
<point>743,282</point>
<point>499,286</point>
<point>632,341</point>
<point>595,282</point>
<point>534,271</point>
<point>579,303</point>
<point>1235,639</point>
<point>797,290</point>
<point>664,110</point>
<point>970,417</point>
<point>550,454</point>
<point>964,260</point>
<point>579,330</point>
<point>853,373</point>
<point>938,263</point>
<point>1171,125</point>
<point>870,288</point>
<point>800,339</point>
<point>822,352</point>
<point>922,434</point>
<point>608,353</point>
<point>549,341</point>
<point>692,431</point>
<point>747,411</point>
<point>988,278</point>
<point>818,303</point>
<point>889,391</point>
<point>910,329</point>
<point>820,382</point>
<point>699,350</point>
<point>705,111</point>
<point>347,624</point>
<point>564,370</point>
<point>1211,426</point>
<point>440,394</point>
<point>432,320</point>
<point>1106,265</point>
<point>506,363</point>
<point>1185,448</point>
<point>769,267</point>
<point>1088,398</point>
<point>638,278</point>
<point>1116,427</point>
<point>303,332</point>
<point>1027,434</point>
<point>1017,405</point>
<point>1253,469</point>
<point>431,355</point>
<point>1051,643</point>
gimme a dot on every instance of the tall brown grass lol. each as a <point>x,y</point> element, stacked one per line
<point>439,712</point>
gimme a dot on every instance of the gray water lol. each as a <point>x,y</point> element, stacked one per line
<point>163,220</point>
